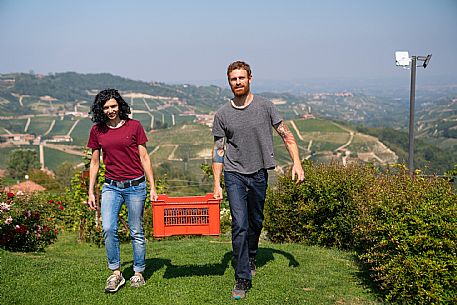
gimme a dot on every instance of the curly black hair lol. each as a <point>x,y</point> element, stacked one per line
<point>98,116</point>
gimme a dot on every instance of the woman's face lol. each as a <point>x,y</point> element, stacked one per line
<point>111,109</point>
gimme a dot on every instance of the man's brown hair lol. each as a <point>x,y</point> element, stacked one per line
<point>239,65</point>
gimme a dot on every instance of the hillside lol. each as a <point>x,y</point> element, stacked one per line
<point>439,118</point>
<point>427,157</point>
<point>30,94</point>
<point>52,111</point>
<point>177,152</point>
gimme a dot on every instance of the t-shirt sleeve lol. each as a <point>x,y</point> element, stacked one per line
<point>218,130</point>
<point>93,139</point>
<point>141,135</point>
<point>274,114</point>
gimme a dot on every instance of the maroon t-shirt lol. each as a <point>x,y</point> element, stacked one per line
<point>120,149</point>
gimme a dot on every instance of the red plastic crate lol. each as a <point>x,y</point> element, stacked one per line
<point>194,215</point>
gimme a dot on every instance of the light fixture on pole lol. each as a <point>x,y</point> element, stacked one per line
<point>402,59</point>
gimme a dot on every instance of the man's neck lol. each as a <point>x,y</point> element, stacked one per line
<point>243,101</point>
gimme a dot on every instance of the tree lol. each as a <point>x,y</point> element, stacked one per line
<point>64,174</point>
<point>45,180</point>
<point>21,161</point>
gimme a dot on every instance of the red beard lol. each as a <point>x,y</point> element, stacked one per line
<point>240,91</point>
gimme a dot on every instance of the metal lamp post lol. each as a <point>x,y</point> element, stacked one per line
<point>403,59</point>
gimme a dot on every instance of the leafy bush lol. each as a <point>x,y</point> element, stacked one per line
<point>28,223</point>
<point>403,228</point>
<point>321,210</point>
<point>85,221</point>
<point>407,236</point>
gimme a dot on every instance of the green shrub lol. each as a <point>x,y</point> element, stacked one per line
<point>403,228</point>
<point>28,222</point>
<point>321,210</point>
<point>407,237</point>
<point>85,221</point>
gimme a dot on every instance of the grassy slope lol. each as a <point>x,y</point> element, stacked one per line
<point>54,158</point>
<point>186,271</point>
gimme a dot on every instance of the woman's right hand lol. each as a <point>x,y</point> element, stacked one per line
<point>91,202</point>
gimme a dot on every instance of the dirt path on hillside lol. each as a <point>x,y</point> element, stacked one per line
<point>27,124</point>
<point>73,150</point>
<point>72,128</point>
<point>351,136</point>
<point>171,157</point>
<point>50,128</point>
<point>296,130</point>
<point>155,149</point>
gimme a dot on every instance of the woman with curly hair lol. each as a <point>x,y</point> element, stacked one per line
<point>122,142</point>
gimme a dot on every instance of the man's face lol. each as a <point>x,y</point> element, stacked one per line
<point>239,82</point>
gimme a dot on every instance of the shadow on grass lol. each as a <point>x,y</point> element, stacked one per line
<point>364,275</point>
<point>152,265</point>
<point>264,255</point>
<point>174,271</point>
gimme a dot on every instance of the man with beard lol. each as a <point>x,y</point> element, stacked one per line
<point>243,149</point>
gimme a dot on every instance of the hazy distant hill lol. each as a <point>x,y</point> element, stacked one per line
<point>67,89</point>
<point>387,117</point>
<point>438,118</point>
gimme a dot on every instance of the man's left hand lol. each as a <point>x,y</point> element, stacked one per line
<point>297,170</point>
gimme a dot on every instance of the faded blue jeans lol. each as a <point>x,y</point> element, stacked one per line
<point>246,195</point>
<point>112,200</point>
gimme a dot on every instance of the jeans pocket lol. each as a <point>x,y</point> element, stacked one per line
<point>104,187</point>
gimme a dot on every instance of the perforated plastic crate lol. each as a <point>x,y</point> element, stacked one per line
<point>194,215</point>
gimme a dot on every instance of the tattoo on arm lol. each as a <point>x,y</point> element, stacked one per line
<point>285,133</point>
<point>219,150</point>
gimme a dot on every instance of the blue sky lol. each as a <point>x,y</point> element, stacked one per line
<point>194,41</point>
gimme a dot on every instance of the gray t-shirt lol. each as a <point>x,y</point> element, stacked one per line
<point>248,134</point>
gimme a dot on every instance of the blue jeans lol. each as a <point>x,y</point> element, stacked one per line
<point>246,195</point>
<point>112,200</point>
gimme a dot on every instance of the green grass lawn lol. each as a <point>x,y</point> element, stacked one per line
<point>185,271</point>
